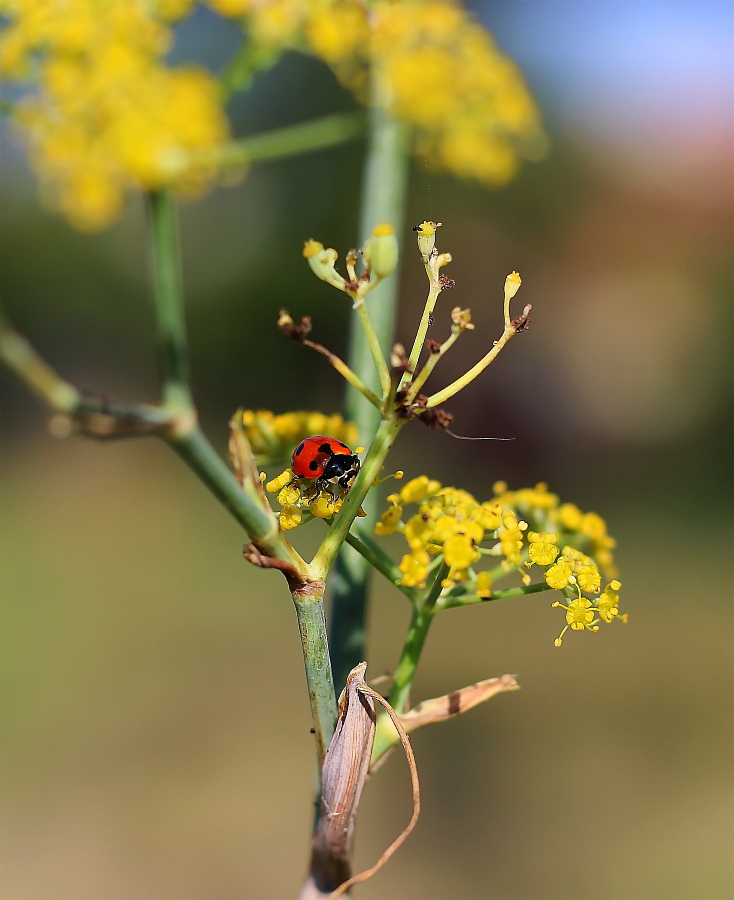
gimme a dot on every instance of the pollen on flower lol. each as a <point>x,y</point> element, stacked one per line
<point>289,495</point>
<point>426,229</point>
<point>383,230</point>
<point>312,248</point>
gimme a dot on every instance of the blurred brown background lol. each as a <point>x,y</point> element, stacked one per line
<point>155,739</point>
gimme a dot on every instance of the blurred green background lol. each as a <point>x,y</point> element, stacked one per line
<point>155,723</point>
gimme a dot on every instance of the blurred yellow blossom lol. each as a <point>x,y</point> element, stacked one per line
<point>273,438</point>
<point>108,115</point>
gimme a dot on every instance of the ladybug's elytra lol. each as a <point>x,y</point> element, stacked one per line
<point>327,460</point>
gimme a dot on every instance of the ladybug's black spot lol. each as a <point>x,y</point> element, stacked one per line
<point>325,448</point>
<point>298,449</point>
<point>313,465</point>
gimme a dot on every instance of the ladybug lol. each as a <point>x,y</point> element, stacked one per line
<point>326,460</point>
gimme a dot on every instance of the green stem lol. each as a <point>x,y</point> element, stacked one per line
<point>420,336</point>
<point>244,504</point>
<point>376,351</point>
<point>431,363</point>
<point>293,139</point>
<point>314,643</point>
<point>384,189</point>
<point>168,295</point>
<point>423,613</point>
<point>379,560</point>
<point>450,602</point>
<point>347,374</point>
<point>238,73</point>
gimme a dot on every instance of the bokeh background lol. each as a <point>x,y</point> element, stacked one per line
<point>155,724</point>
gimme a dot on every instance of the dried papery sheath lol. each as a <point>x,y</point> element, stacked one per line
<point>343,776</point>
<point>439,708</point>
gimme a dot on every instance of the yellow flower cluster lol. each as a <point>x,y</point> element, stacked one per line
<point>439,70</point>
<point>274,438</point>
<point>523,528</point>
<point>298,496</point>
<point>108,115</point>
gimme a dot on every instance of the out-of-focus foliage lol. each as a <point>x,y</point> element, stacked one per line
<point>106,114</point>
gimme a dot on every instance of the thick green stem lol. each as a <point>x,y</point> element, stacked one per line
<point>243,503</point>
<point>172,346</point>
<point>312,626</point>
<point>384,189</point>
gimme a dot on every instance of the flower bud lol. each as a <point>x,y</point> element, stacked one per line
<point>512,285</point>
<point>381,251</point>
<point>322,263</point>
<point>426,232</point>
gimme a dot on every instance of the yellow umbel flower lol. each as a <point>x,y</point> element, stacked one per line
<point>414,568</point>
<point>608,603</point>
<point>274,486</point>
<point>415,490</point>
<point>451,525</point>
<point>323,507</point>
<point>458,552</point>
<point>569,517</point>
<point>542,549</point>
<point>579,616</point>
<point>559,575</point>
<point>290,517</point>
<point>484,585</point>
<point>390,520</point>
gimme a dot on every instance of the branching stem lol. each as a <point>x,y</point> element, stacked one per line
<point>460,383</point>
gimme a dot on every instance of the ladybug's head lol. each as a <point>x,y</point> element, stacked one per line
<point>342,470</point>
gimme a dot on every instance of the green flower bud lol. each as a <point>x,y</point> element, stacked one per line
<point>322,263</point>
<point>381,251</point>
<point>426,232</point>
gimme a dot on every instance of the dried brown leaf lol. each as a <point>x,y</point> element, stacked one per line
<point>343,776</point>
<point>439,708</point>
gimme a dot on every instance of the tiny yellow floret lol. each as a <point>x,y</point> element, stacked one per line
<point>290,517</point>
<point>512,285</point>
<point>484,585</point>
<point>312,248</point>
<point>383,230</point>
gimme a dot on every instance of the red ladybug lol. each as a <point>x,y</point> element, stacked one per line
<point>327,460</point>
